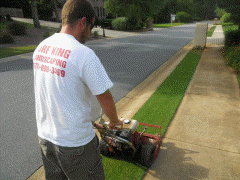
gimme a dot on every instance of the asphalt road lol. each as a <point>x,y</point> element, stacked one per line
<point>128,61</point>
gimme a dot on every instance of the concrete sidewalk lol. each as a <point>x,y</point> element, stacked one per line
<point>217,37</point>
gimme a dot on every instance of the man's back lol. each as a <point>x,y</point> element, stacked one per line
<point>66,75</point>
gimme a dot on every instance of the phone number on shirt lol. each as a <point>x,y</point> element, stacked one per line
<point>47,69</point>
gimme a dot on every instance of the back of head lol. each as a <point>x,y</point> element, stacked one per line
<point>73,10</point>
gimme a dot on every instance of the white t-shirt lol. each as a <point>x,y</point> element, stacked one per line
<point>66,75</point>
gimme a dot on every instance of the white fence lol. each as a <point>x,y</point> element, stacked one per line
<point>215,41</point>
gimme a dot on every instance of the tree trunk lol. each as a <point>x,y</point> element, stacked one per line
<point>56,10</point>
<point>35,15</point>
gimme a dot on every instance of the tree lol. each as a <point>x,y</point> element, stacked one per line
<point>232,7</point>
<point>142,8</point>
<point>167,8</point>
<point>185,6</point>
<point>56,10</point>
<point>114,7</point>
<point>35,14</point>
<point>220,12</point>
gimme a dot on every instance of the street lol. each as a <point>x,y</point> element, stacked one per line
<point>128,61</point>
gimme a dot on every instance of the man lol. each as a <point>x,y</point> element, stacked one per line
<point>66,74</point>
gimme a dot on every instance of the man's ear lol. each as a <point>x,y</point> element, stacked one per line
<point>84,20</point>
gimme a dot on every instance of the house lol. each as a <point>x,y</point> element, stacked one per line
<point>98,7</point>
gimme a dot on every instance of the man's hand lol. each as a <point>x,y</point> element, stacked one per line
<point>108,107</point>
<point>113,125</point>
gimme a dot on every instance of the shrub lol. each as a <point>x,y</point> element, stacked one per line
<point>133,23</point>
<point>220,12</point>
<point>109,21</point>
<point>6,38</point>
<point>233,57</point>
<point>120,23</point>
<point>16,28</point>
<point>8,17</point>
<point>48,33</point>
<point>232,38</point>
<point>98,22</point>
<point>183,17</point>
<point>226,18</point>
<point>95,34</point>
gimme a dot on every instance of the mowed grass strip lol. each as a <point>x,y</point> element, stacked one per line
<point>158,110</point>
<point>211,30</point>
<point>13,51</point>
<point>162,105</point>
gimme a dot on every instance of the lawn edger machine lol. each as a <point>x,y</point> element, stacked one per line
<point>140,146</point>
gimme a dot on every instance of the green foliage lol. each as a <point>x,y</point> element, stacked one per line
<point>232,46</point>
<point>16,28</point>
<point>185,6</point>
<point>220,12</point>
<point>233,7</point>
<point>114,7</point>
<point>141,9</point>
<point>120,23</point>
<point>6,37</point>
<point>8,17</point>
<point>232,55</point>
<point>183,17</point>
<point>226,18</point>
<point>49,32</point>
<point>232,38</point>
<point>109,21</point>
<point>45,9</point>
<point>95,34</point>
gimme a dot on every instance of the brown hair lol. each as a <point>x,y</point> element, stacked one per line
<point>73,10</point>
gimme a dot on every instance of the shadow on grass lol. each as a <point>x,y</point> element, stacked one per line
<point>120,167</point>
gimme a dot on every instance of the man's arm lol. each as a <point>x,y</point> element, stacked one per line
<point>109,108</point>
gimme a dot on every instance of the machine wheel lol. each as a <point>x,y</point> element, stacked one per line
<point>147,152</point>
<point>104,150</point>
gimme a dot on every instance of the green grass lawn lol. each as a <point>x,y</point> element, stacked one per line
<point>167,25</point>
<point>158,110</point>
<point>12,51</point>
<point>210,32</point>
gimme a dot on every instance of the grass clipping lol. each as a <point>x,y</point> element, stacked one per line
<point>158,110</point>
